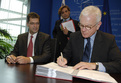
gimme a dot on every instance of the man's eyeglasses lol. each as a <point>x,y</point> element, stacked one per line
<point>32,23</point>
<point>86,26</point>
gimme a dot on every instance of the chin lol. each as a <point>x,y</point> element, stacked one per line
<point>35,31</point>
<point>65,17</point>
<point>85,36</point>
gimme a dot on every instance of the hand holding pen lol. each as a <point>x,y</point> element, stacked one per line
<point>61,61</point>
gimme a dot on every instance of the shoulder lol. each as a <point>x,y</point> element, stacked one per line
<point>105,35</point>
<point>75,21</point>
<point>75,34</point>
<point>58,21</point>
<point>23,34</point>
<point>41,34</point>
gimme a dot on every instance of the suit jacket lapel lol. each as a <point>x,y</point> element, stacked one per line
<point>80,42</point>
<point>38,43</point>
<point>60,22</point>
<point>97,46</point>
<point>26,40</point>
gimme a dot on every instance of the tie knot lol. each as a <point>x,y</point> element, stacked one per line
<point>31,36</point>
<point>88,39</point>
<point>64,20</point>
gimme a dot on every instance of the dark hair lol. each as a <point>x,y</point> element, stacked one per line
<point>32,15</point>
<point>60,9</point>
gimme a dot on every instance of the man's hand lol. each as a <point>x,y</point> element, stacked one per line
<point>22,60</point>
<point>11,59</point>
<point>85,65</point>
<point>65,31</point>
<point>61,62</point>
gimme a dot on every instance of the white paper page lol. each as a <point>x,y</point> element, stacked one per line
<point>55,66</point>
<point>69,25</point>
<point>96,75</point>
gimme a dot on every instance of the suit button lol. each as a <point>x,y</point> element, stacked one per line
<point>60,43</point>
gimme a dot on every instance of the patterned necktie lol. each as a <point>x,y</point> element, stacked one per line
<point>30,48</point>
<point>86,54</point>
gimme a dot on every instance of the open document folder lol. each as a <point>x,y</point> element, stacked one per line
<point>69,25</point>
<point>52,70</point>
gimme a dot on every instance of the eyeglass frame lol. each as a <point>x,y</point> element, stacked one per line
<point>32,23</point>
<point>87,27</point>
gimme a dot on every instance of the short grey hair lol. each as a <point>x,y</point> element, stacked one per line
<point>92,10</point>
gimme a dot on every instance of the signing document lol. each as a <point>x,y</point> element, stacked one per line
<point>53,70</point>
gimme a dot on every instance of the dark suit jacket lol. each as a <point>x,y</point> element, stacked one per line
<point>62,39</point>
<point>41,47</point>
<point>104,50</point>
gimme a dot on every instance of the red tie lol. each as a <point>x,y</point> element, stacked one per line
<point>30,48</point>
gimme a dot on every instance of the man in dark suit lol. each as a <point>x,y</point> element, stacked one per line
<point>104,54</point>
<point>40,52</point>
<point>61,34</point>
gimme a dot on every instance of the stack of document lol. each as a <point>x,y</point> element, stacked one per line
<point>69,25</point>
<point>52,70</point>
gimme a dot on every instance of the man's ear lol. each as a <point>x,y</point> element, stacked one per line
<point>99,24</point>
<point>69,12</point>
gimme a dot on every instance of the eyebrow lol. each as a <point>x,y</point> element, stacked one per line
<point>86,25</point>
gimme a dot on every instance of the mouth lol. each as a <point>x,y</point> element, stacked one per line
<point>35,29</point>
<point>84,33</point>
<point>65,15</point>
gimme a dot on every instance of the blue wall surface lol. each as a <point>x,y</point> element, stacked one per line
<point>48,11</point>
<point>44,9</point>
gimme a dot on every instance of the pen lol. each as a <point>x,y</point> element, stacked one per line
<point>61,56</point>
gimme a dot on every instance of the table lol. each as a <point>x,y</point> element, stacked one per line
<point>16,73</point>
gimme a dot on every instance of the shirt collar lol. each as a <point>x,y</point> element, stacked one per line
<point>93,36</point>
<point>34,35</point>
<point>66,19</point>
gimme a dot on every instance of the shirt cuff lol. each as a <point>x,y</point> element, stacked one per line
<point>8,57</point>
<point>101,67</point>
<point>31,60</point>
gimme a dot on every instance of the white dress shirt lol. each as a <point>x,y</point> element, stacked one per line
<point>92,38</point>
<point>33,40</point>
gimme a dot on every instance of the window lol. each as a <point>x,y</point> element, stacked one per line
<point>13,17</point>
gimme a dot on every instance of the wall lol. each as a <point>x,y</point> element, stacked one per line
<point>48,11</point>
<point>43,8</point>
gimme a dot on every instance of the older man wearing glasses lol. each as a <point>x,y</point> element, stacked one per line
<point>90,48</point>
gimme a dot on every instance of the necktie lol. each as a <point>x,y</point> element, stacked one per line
<point>30,48</point>
<point>86,53</point>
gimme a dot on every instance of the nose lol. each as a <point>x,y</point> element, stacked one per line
<point>36,24</point>
<point>83,28</point>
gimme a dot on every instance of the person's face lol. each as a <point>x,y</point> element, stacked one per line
<point>33,25</point>
<point>88,25</point>
<point>65,13</point>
